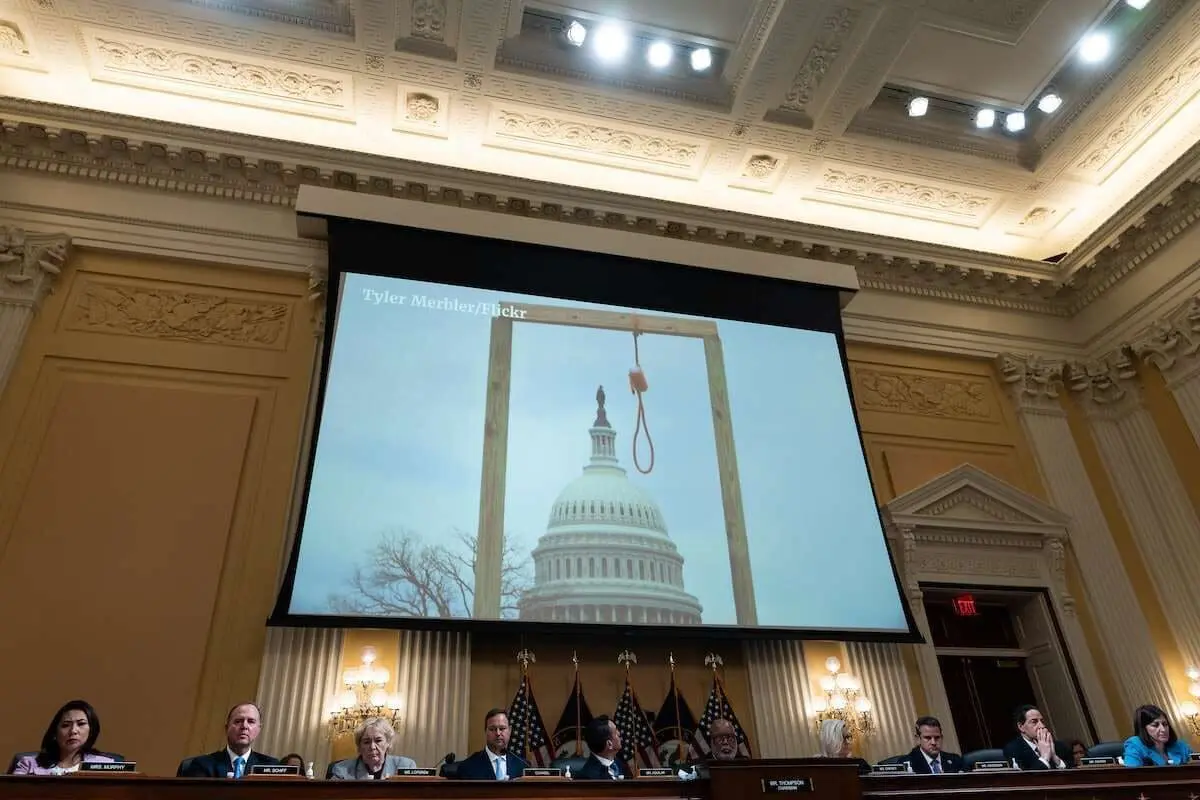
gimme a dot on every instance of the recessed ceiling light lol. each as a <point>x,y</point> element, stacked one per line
<point>1138,4</point>
<point>576,33</point>
<point>1095,47</point>
<point>1049,103</point>
<point>985,118</point>
<point>1014,122</point>
<point>660,54</point>
<point>918,106</point>
<point>701,59</point>
<point>610,42</point>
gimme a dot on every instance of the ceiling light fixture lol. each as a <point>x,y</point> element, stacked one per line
<point>611,43</point>
<point>576,33</point>
<point>660,54</point>
<point>1014,122</point>
<point>918,106</point>
<point>985,118</point>
<point>1049,103</point>
<point>1138,4</point>
<point>1095,47</point>
<point>701,59</point>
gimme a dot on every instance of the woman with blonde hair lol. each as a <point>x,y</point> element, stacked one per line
<point>374,739</point>
<point>836,741</point>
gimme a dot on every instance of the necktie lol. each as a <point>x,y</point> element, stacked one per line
<point>935,766</point>
<point>612,770</point>
<point>499,765</point>
<point>239,767</point>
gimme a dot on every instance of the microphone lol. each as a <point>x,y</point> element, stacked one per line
<point>448,758</point>
<point>524,763</point>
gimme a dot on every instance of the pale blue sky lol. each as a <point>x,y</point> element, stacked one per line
<point>402,430</point>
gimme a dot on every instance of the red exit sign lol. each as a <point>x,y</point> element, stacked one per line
<point>964,606</point>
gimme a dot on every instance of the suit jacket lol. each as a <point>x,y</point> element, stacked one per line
<point>593,770</point>
<point>1019,750</point>
<point>1137,754</point>
<point>478,767</point>
<point>218,764</point>
<point>27,765</point>
<point>951,762</point>
<point>353,769</point>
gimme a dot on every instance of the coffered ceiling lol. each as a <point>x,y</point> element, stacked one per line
<point>801,117</point>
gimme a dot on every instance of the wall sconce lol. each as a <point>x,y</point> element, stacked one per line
<point>1189,708</point>
<point>843,700</point>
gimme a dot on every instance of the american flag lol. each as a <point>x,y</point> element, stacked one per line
<point>528,736</point>
<point>637,737</point>
<point>718,707</point>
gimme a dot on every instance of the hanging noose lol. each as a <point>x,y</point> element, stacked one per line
<point>638,385</point>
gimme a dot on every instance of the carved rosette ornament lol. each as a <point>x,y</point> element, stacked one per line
<point>1108,385</point>
<point>30,263</point>
<point>1034,382</point>
<point>1171,344</point>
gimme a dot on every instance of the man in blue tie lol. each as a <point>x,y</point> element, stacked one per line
<point>243,723</point>
<point>604,741</point>
<point>493,762</point>
<point>928,757</point>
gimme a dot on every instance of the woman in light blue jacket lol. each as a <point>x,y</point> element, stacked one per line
<point>1154,742</point>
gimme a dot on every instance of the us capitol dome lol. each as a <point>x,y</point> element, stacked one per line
<point>606,555</point>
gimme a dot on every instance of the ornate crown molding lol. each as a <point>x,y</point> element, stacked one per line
<point>29,264</point>
<point>84,145</point>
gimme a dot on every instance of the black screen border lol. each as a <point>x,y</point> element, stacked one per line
<point>479,262</point>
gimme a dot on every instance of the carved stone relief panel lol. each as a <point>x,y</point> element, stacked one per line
<point>927,395</point>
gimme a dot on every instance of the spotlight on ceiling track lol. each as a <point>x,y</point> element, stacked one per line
<point>1138,4</point>
<point>985,118</point>
<point>701,59</point>
<point>1014,122</point>
<point>1049,103</point>
<point>610,42</point>
<point>576,33</point>
<point>659,54</point>
<point>918,106</point>
<point>1095,47</point>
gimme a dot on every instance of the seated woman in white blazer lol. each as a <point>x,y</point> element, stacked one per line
<point>374,739</point>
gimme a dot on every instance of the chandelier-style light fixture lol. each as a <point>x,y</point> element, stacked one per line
<point>365,696</point>
<point>1189,708</point>
<point>843,700</point>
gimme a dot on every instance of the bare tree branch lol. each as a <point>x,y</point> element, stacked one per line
<point>404,576</point>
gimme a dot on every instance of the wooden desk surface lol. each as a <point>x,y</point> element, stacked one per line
<point>1098,783</point>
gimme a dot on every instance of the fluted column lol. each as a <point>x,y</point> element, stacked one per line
<point>300,673</point>
<point>1172,344</point>
<point>779,692</point>
<point>1035,386</point>
<point>29,265</point>
<point>1156,504</point>
<point>885,684</point>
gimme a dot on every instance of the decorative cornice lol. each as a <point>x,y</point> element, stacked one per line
<point>175,158</point>
<point>29,264</point>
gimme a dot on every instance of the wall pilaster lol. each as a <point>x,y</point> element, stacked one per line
<point>1172,345</point>
<point>30,264</point>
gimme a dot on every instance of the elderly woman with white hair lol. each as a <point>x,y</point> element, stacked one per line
<point>374,739</point>
<point>837,742</point>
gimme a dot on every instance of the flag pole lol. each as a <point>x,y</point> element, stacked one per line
<point>628,658</point>
<point>678,721</point>
<point>526,657</point>
<point>575,691</point>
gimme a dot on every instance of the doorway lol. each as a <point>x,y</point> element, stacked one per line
<point>983,692</point>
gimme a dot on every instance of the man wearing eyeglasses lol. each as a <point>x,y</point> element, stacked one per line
<point>724,740</point>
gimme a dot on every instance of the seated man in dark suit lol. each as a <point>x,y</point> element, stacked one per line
<point>243,723</point>
<point>1035,747</point>
<point>493,762</point>
<point>928,757</point>
<point>604,741</point>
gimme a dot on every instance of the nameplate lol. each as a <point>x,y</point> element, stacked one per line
<point>274,769</point>
<point>108,766</point>
<point>992,766</point>
<point>1098,761</point>
<point>417,772</point>
<point>656,772</point>
<point>889,768</point>
<point>770,785</point>
<point>542,772</point>
<point>1193,758</point>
